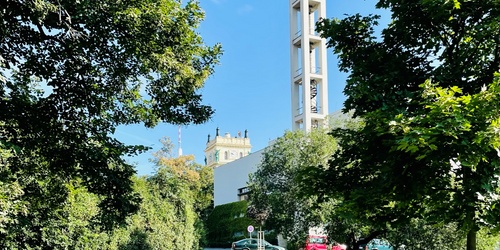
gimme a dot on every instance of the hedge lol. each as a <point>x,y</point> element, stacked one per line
<point>228,223</point>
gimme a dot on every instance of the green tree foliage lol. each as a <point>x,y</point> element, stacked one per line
<point>73,225</point>
<point>70,73</point>
<point>195,178</point>
<point>426,90</point>
<point>165,220</point>
<point>275,188</point>
<point>169,216</point>
<point>10,192</point>
<point>188,188</point>
<point>418,234</point>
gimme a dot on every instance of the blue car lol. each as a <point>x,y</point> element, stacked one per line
<point>377,244</point>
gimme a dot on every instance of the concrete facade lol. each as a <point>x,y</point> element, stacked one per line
<point>231,179</point>
<point>309,81</point>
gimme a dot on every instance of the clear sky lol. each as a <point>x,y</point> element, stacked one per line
<point>250,89</point>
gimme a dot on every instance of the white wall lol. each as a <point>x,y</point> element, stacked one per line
<point>229,177</point>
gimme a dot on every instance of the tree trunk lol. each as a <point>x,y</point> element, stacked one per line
<point>471,239</point>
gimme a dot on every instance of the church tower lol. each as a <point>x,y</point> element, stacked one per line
<point>309,82</point>
<point>224,149</point>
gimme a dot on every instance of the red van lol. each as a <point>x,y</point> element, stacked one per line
<point>316,242</point>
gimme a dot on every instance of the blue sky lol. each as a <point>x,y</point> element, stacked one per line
<point>250,89</point>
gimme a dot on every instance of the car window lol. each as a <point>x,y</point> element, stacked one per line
<point>254,242</point>
<point>385,242</point>
<point>380,242</point>
<point>241,242</point>
<point>317,240</point>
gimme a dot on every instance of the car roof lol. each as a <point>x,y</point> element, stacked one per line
<point>247,239</point>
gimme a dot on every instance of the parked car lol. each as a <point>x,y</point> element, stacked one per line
<point>315,242</point>
<point>251,244</point>
<point>377,244</point>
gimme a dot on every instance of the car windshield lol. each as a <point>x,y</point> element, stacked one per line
<point>253,241</point>
<point>380,242</point>
<point>317,240</point>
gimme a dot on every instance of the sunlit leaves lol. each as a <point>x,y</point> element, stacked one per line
<point>427,90</point>
<point>70,73</point>
<point>277,190</point>
<point>187,187</point>
<point>452,114</point>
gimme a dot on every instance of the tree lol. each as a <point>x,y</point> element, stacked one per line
<point>70,73</point>
<point>188,188</point>
<point>174,199</point>
<point>72,225</point>
<point>165,220</point>
<point>274,185</point>
<point>10,192</point>
<point>419,234</point>
<point>426,90</point>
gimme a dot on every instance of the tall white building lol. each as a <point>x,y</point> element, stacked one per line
<point>309,82</point>
<point>309,85</point>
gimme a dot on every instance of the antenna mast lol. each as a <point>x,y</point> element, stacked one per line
<point>179,142</point>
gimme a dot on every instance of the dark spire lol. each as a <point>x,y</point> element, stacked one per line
<point>246,133</point>
<point>208,138</point>
<point>217,132</point>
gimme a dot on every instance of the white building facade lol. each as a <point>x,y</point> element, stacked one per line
<point>224,149</point>
<point>232,161</point>
<point>231,179</point>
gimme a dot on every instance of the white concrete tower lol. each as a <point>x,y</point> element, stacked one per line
<point>309,80</point>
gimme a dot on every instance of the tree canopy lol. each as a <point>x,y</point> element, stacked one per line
<point>175,199</point>
<point>169,215</point>
<point>275,189</point>
<point>70,73</point>
<point>426,88</point>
